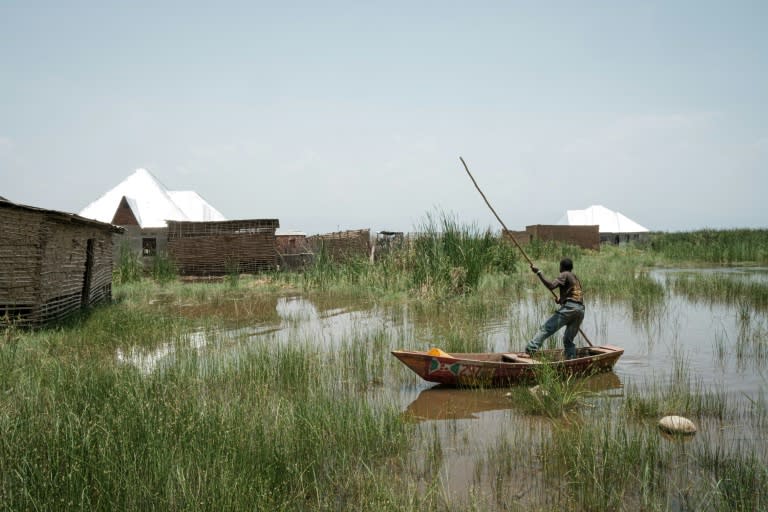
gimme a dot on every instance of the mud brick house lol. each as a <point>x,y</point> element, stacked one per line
<point>586,228</point>
<point>587,237</point>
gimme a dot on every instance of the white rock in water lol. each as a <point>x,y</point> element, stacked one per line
<point>677,425</point>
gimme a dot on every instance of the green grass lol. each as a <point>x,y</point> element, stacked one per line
<point>604,465</point>
<point>741,481</point>
<point>553,396</point>
<point>442,259</point>
<point>128,268</point>
<point>713,246</point>
<point>270,431</point>
<point>257,424</point>
<point>721,289</point>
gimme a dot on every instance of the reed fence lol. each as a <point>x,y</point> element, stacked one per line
<point>224,247</point>
<point>342,245</point>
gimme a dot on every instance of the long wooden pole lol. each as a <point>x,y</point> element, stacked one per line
<point>510,234</point>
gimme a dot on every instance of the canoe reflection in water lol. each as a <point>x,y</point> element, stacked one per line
<point>449,403</point>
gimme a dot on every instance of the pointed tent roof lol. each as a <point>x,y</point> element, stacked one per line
<point>151,203</point>
<point>608,220</point>
<point>194,206</point>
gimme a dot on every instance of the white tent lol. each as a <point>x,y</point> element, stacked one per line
<point>608,220</point>
<point>151,203</point>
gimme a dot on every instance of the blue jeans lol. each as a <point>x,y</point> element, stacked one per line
<point>569,315</point>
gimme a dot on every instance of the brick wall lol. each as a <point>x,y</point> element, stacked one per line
<point>587,237</point>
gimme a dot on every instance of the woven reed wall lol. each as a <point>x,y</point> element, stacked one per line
<point>21,256</point>
<point>292,244</point>
<point>63,270</point>
<point>44,265</point>
<point>343,245</point>
<point>218,248</point>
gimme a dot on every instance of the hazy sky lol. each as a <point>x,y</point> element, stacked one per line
<point>346,115</point>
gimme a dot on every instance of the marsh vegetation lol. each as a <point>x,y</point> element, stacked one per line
<point>278,392</point>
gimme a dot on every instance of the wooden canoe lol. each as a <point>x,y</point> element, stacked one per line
<point>495,369</point>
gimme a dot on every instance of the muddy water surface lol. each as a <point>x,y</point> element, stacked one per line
<point>717,344</point>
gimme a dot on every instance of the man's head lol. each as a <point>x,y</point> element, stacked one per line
<point>566,265</point>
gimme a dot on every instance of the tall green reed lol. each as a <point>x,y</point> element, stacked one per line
<point>713,246</point>
<point>447,257</point>
<point>163,269</point>
<point>442,259</point>
<point>129,268</point>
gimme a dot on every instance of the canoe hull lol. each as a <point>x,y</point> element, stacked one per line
<point>504,369</point>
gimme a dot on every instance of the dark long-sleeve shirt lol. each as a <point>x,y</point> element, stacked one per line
<point>569,285</point>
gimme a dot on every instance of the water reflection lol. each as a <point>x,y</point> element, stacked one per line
<point>147,360</point>
<point>441,403</point>
<point>316,320</point>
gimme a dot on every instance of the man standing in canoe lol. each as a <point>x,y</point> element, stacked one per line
<point>570,313</point>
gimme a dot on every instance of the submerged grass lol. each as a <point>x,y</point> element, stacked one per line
<point>617,459</point>
<point>603,465</point>
<point>290,426</point>
<point>554,395</point>
<point>653,401</point>
<point>268,430</point>
<point>722,288</point>
<point>740,481</point>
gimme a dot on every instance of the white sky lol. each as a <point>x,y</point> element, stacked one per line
<point>346,115</point>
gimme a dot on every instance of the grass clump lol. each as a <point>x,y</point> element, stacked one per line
<point>604,465</point>
<point>163,269</point>
<point>740,481</point>
<point>447,258</point>
<point>129,268</point>
<point>679,394</point>
<point>554,395</point>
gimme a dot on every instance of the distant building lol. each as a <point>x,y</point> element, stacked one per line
<point>293,251</point>
<point>53,263</point>
<point>614,227</point>
<point>142,205</point>
<point>342,245</point>
<point>587,237</point>
<point>220,248</point>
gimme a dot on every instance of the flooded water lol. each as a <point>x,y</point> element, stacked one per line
<point>719,345</point>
